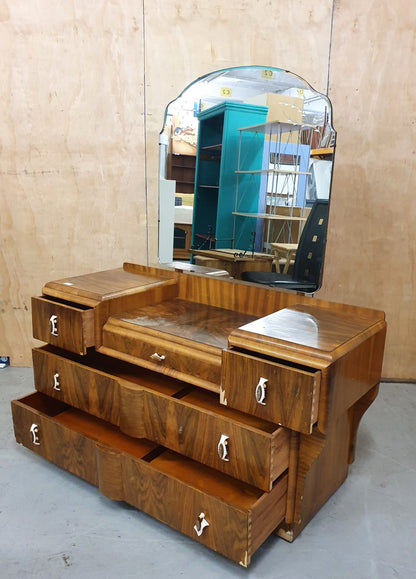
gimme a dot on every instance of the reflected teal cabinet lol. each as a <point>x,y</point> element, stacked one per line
<point>215,177</point>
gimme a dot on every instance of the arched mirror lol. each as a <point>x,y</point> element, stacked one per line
<point>246,158</point>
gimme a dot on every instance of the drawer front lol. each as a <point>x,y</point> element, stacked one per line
<point>65,326</point>
<point>281,394</point>
<point>76,384</point>
<point>231,519</point>
<point>229,444</point>
<point>227,516</point>
<point>191,422</point>
<point>35,428</point>
<point>185,363</point>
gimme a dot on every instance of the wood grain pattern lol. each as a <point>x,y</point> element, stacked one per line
<point>77,384</point>
<point>291,395</point>
<point>58,445</point>
<point>105,285</point>
<point>148,405</point>
<point>198,365</point>
<point>188,320</point>
<point>253,455</point>
<point>240,517</point>
<point>309,333</point>
<point>74,326</point>
<point>348,387</point>
<point>171,488</point>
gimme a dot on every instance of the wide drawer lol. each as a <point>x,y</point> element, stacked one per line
<point>193,362</point>
<point>282,394</point>
<point>183,418</point>
<point>67,326</point>
<point>228,516</point>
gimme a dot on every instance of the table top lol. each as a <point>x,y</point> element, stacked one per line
<point>233,254</point>
<point>285,246</point>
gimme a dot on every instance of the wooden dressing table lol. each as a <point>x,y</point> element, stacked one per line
<point>226,410</point>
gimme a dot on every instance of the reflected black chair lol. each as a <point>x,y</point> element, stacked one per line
<point>309,256</point>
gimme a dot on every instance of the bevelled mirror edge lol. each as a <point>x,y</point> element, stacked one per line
<point>245,157</point>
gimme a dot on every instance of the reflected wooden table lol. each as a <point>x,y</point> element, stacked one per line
<point>284,254</point>
<point>234,261</point>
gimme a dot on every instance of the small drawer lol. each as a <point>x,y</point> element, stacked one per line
<point>228,516</point>
<point>67,326</point>
<point>188,420</point>
<point>193,363</point>
<point>282,394</point>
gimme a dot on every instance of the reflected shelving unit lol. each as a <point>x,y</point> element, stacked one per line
<point>217,156</point>
<point>271,200</point>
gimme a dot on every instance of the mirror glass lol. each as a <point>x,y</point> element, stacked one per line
<point>245,154</point>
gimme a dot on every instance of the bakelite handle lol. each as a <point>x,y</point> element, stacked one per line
<point>222,448</point>
<point>53,324</point>
<point>202,524</point>
<point>56,383</point>
<point>158,357</point>
<point>34,431</point>
<point>260,391</point>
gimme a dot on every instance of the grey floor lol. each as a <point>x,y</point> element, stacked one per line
<point>54,525</point>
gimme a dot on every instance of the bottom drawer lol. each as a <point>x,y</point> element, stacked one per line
<point>226,515</point>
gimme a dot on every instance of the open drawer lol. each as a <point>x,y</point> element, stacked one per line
<point>228,516</point>
<point>274,391</point>
<point>183,418</point>
<point>66,325</point>
<point>177,337</point>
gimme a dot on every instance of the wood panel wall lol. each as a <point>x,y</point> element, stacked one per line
<point>371,251</point>
<point>82,101</point>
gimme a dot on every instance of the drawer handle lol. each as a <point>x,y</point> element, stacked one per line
<point>261,391</point>
<point>202,524</point>
<point>222,448</point>
<point>53,322</point>
<point>157,357</point>
<point>34,429</point>
<point>56,382</point>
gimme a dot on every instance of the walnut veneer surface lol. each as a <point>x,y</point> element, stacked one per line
<point>225,410</point>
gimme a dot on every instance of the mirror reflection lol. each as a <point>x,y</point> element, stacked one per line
<point>246,158</point>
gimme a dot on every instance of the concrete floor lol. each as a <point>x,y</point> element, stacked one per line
<point>54,525</point>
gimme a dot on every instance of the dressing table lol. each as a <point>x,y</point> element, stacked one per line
<point>225,410</point>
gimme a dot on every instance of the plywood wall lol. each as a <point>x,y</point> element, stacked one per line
<point>82,100</point>
<point>71,149</point>
<point>371,252</point>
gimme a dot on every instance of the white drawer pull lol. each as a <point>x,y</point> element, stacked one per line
<point>222,448</point>
<point>34,429</point>
<point>202,524</point>
<point>56,382</point>
<point>157,357</point>
<point>53,323</point>
<point>261,391</point>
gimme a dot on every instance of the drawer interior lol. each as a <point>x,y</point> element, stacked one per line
<point>210,401</point>
<point>62,302</point>
<point>188,471</point>
<point>207,480</point>
<point>86,424</point>
<point>44,404</point>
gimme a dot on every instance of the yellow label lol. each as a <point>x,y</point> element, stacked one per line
<point>266,73</point>
<point>225,92</point>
